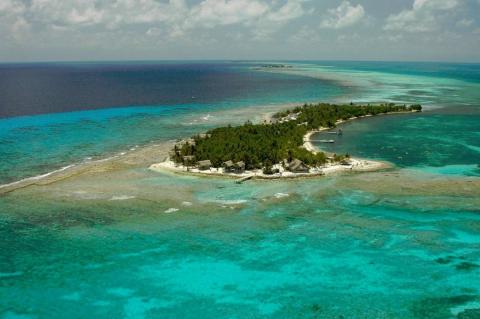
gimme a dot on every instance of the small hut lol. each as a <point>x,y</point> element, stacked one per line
<point>240,167</point>
<point>191,142</point>
<point>204,165</point>
<point>188,160</point>
<point>297,166</point>
<point>228,166</point>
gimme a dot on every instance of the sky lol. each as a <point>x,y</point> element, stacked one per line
<point>88,30</point>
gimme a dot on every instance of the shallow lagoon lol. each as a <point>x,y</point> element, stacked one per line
<point>431,141</point>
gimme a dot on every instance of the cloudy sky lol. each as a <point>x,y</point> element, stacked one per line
<point>46,30</point>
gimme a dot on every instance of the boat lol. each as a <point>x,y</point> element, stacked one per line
<point>339,132</point>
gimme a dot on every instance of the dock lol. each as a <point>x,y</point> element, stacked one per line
<point>339,132</point>
<point>324,141</point>
<point>243,179</point>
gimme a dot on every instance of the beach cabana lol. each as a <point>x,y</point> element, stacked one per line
<point>297,166</point>
<point>204,165</point>
<point>191,142</point>
<point>228,166</point>
<point>240,167</point>
<point>188,160</point>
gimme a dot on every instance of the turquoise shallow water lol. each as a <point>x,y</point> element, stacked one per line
<point>430,84</point>
<point>292,249</point>
<point>434,142</point>
<point>133,243</point>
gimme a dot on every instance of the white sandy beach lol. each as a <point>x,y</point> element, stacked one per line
<point>356,165</point>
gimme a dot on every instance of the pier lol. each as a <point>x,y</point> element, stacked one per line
<point>339,132</point>
<point>243,179</point>
<point>324,141</point>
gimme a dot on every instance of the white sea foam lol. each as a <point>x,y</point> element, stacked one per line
<point>231,201</point>
<point>41,176</point>
<point>105,159</point>
<point>83,195</point>
<point>36,178</point>
<point>122,197</point>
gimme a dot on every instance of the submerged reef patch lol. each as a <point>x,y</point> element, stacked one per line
<point>439,308</point>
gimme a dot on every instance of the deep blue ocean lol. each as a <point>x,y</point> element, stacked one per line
<point>30,89</point>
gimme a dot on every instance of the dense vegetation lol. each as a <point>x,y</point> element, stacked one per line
<point>262,145</point>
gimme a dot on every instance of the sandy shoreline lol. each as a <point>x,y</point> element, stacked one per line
<point>307,140</point>
<point>356,165</point>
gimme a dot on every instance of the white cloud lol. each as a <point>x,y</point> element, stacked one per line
<point>292,9</point>
<point>78,29</point>
<point>435,4</point>
<point>305,34</point>
<point>88,16</point>
<point>395,38</point>
<point>154,32</point>
<point>262,17</point>
<point>421,18</point>
<point>348,38</point>
<point>276,18</point>
<point>11,7</point>
<point>175,14</point>
<point>465,23</point>
<point>211,13</point>
<point>172,17</point>
<point>343,16</point>
<point>19,28</point>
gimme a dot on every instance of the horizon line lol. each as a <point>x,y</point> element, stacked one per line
<point>232,60</point>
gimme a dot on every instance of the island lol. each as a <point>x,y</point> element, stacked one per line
<point>278,147</point>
